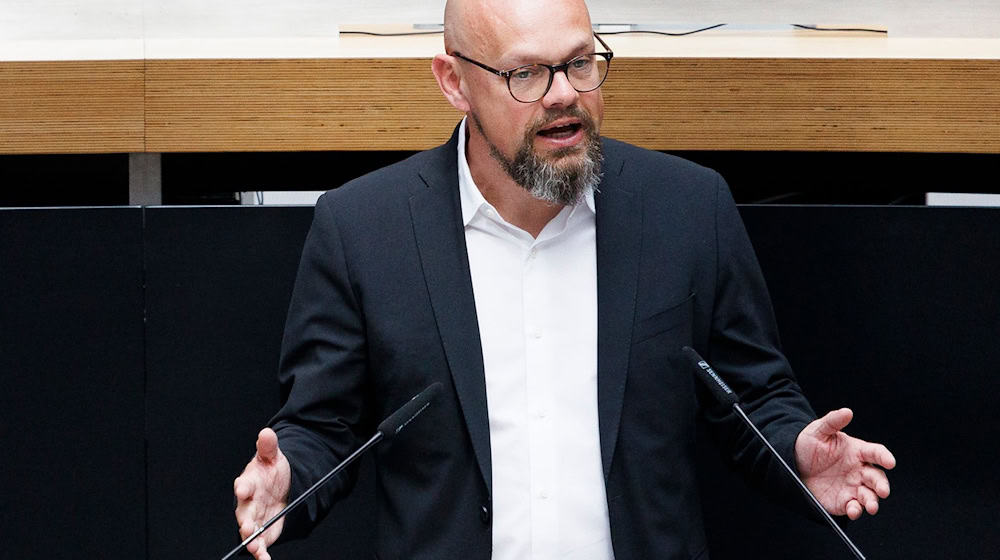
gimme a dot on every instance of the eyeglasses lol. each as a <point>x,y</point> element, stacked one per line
<point>531,82</point>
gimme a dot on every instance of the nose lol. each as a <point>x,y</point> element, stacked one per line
<point>561,93</point>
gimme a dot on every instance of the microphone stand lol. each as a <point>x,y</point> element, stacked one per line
<point>812,498</point>
<point>312,489</point>
<point>387,430</point>
<point>725,395</point>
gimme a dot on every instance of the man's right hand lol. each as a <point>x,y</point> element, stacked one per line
<point>261,492</point>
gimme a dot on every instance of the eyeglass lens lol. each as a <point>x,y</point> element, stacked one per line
<point>531,83</point>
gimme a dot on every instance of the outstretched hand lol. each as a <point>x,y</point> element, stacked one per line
<point>842,471</point>
<point>261,492</point>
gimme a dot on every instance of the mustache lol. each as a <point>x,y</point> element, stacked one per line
<point>553,115</point>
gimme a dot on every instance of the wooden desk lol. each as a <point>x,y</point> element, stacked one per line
<point>796,92</point>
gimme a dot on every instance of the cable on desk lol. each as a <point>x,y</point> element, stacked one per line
<point>633,31</point>
<point>666,33</point>
<point>403,34</point>
<point>409,33</point>
<point>815,28</point>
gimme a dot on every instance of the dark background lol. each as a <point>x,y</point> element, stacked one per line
<point>755,177</point>
<point>138,349</point>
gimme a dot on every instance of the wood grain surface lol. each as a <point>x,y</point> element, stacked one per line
<point>806,104</point>
<point>313,104</point>
<point>662,104</point>
<point>894,105</point>
<point>71,107</point>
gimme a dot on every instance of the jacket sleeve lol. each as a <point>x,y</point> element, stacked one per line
<point>745,349</point>
<point>322,372</point>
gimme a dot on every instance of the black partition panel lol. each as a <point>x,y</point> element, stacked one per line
<point>72,467</point>
<point>876,305</point>
<point>218,285</point>
<point>892,311</point>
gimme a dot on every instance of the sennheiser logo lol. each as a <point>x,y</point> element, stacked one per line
<point>704,365</point>
<point>415,414</point>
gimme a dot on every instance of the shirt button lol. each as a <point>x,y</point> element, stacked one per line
<point>543,495</point>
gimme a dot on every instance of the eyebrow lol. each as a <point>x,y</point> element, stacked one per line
<point>517,60</point>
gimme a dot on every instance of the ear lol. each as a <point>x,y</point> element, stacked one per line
<point>450,81</point>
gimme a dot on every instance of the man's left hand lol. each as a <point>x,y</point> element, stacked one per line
<point>843,472</point>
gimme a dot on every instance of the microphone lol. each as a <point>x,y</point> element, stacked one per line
<point>725,395</point>
<point>387,430</point>
<point>391,426</point>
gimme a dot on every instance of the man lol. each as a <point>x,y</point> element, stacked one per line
<point>547,278</point>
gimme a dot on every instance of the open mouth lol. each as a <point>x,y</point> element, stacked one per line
<point>562,131</point>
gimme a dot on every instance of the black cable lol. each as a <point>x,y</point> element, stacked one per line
<point>403,34</point>
<point>667,33</point>
<point>631,31</point>
<point>815,28</point>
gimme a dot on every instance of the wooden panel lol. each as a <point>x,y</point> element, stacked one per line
<point>662,103</point>
<point>71,107</point>
<point>806,104</point>
<point>315,104</point>
<point>394,104</point>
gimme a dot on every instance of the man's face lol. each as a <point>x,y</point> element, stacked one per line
<point>557,137</point>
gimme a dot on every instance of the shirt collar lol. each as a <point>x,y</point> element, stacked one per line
<point>473,200</point>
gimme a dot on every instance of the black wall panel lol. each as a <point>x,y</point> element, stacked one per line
<point>892,311</point>
<point>218,285</point>
<point>72,383</point>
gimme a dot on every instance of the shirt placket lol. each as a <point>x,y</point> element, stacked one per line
<point>542,441</point>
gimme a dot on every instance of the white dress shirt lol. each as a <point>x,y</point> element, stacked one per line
<point>536,302</point>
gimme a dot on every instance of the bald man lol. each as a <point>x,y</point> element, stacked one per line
<point>547,277</point>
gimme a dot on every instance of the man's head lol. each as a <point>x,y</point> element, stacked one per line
<point>549,146</point>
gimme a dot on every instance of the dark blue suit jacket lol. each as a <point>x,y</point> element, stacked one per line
<point>383,306</point>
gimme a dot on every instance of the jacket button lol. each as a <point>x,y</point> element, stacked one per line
<point>484,513</point>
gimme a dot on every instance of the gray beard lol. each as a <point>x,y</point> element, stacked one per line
<point>565,185</point>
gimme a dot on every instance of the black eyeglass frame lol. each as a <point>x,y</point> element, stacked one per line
<point>506,74</point>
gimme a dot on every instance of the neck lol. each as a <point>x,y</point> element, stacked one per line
<point>511,200</point>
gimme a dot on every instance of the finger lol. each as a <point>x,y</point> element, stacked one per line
<point>868,499</point>
<point>853,510</point>
<point>243,488</point>
<point>267,445</point>
<point>257,547</point>
<point>876,480</point>
<point>878,454</point>
<point>834,421</point>
<point>246,512</point>
<point>247,527</point>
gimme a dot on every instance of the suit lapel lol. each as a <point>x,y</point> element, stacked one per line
<point>437,226</point>
<point>436,213</point>
<point>619,230</point>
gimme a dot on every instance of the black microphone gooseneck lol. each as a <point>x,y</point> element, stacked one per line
<point>725,395</point>
<point>387,430</point>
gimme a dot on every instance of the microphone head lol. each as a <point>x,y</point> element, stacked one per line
<point>398,420</point>
<point>707,375</point>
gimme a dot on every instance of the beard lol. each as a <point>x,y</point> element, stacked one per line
<point>544,177</point>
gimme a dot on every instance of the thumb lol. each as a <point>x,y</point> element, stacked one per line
<point>833,422</point>
<point>267,446</point>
